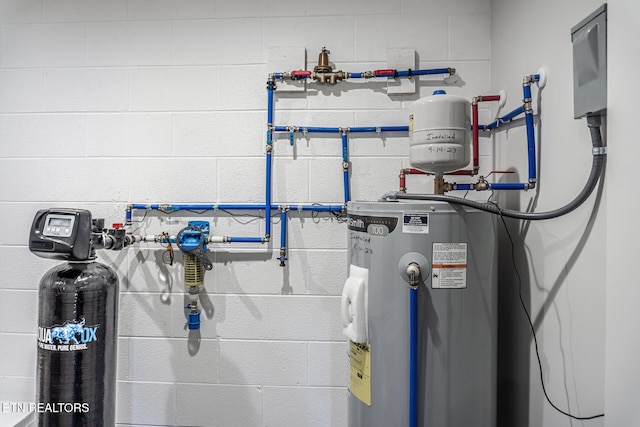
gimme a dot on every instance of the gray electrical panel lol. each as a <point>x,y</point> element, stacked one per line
<point>589,40</point>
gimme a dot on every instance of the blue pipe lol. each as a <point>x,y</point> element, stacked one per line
<point>320,130</point>
<point>413,357</point>
<point>246,239</point>
<point>506,118</point>
<point>409,73</point>
<point>270,88</point>
<point>202,207</point>
<point>283,228</point>
<point>231,207</point>
<point>345,166</point>
<point>508,186</point>
<point>230,240</point>
<point>372,129</point>
<point>283,237</point>
<point>268,196</point>
<point>347,192</point>
<point>345,147</point>
<point>169,207</point>
<point>531,139</point>
<point>394,129</point>
<point>252,207</point>
<point>462,186</point>
<point>403,73</point>
<point>369,129</point>
<point>317,208</point>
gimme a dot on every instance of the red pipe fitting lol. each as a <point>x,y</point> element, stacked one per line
<point>416,171</point>
<point>488,98</point>
<point>387,72</point>
<point>475,136</point>
<point>474,126</point>
<point>403,182</point>
<point>300,74</point>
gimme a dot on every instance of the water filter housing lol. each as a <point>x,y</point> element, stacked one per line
<point>439,133</point>
<point>457,314</point>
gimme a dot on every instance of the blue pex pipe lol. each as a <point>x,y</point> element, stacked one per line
<point>531,144</point>
<point>270,88</point>
<point>506,118</point>
<point>462,187</point>
<point>345,171</point>
<point>409,73</point>
<point>347,192</point>
<point>232,207</point>
<point>345,147</point>
<point>283,228</point>
<point>372,129</point>
<point>394,129</point>
<point>508,186</point>
<point>201,207</point>
<point>531,138</point>
<point>413,357</point>
<point>369,129</point>
<point>246,240</point>
<point>268,197</point>
<point>317,208</point>
<point>320,130</point>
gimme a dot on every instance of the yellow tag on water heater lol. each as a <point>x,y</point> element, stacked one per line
<point>360,371</point>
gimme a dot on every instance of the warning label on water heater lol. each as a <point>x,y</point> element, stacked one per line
<point>360,371</point>
<point>449,267</point>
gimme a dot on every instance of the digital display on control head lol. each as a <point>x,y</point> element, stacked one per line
<point>58,225</point>
<point>59,222</point>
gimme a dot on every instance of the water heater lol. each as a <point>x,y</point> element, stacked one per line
<point>456,250</point>
<point>439,133</point>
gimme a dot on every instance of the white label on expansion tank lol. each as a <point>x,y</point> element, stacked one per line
<point>449,267</point>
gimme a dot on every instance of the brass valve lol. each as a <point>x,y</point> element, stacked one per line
<point>323,72</point>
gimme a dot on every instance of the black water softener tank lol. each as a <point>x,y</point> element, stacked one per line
<point>77,324</point>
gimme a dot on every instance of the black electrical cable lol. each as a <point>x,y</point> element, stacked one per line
<point>533,330</point>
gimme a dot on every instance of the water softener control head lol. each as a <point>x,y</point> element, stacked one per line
<point>61,233</point>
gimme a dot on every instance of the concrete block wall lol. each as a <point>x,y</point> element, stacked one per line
<point>108,103</point>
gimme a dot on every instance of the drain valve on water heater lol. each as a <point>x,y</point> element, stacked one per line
<point>413,271</point>
<point>414,268</point>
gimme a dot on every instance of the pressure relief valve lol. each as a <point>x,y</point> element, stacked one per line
<point>192,241</point>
